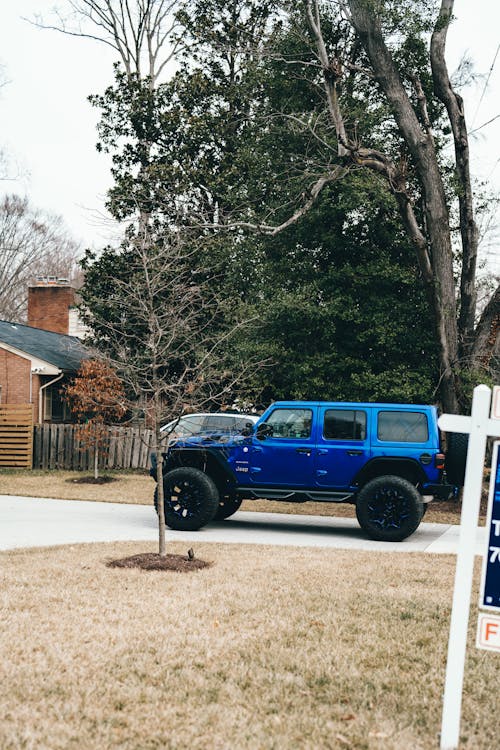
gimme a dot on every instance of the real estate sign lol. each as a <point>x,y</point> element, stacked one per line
<point>488,627</point>
<point>483,423</point>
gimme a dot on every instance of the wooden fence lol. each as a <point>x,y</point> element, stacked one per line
<point>55,446</point>
<point>16,435</point>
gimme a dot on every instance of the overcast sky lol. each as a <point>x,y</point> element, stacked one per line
<point>48,127</point>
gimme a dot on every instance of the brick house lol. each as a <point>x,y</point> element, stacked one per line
<point>36,359</point>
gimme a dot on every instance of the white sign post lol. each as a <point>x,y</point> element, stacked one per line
<point>479,426</point>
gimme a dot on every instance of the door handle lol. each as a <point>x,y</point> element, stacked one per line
<point>307,451</point>
<point>354,453</point>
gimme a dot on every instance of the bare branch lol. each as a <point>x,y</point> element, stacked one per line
<point>140,31</point>
<point>332,72</point>
<point>422,103</point>
<point>272,230</point>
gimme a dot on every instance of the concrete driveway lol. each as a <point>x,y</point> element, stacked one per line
<point>37,522</point>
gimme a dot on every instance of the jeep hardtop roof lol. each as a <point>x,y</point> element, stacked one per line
<point>354,405</point>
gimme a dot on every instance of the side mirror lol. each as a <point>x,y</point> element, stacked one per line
<point>264,431</point>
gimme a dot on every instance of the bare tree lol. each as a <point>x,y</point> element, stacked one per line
<point>32,243</point>
<point>458,341</point>
<point>141,32</point>
<point>144,34</point>
<point>164,330</point>
<point>433,243</point>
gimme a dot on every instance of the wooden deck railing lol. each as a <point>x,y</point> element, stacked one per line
<point>16,435</point>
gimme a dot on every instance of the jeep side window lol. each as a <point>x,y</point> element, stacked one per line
<point>402,427</point>
<point>344,424</point>
<point>290,423</point>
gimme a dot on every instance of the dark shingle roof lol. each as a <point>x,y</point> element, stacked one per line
<point>65,352</point>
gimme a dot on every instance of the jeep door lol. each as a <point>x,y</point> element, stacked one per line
<point>342,445</point>
<point>282,451</point>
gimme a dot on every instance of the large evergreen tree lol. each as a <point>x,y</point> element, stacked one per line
<point>341,310</point>
<point>273,114</point>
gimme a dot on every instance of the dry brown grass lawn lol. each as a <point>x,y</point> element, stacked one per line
<point>268,649</point>
<point>138,487</point>
<point>128,487</point>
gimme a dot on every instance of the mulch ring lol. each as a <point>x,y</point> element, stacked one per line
<point>92,480</point>
<point>153,561</point>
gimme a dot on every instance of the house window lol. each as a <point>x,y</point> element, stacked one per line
<point>55,407</point>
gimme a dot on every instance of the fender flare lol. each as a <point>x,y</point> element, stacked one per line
<point>371,469</point>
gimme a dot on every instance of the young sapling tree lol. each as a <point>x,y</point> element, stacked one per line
<point>96,398</point>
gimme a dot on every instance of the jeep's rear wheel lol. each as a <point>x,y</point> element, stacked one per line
<point>228,505</point>
<point>389,508</point>
<point>191,499</point>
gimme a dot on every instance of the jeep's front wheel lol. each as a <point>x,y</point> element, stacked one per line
<point>191,499</point>
<point>389,508</point>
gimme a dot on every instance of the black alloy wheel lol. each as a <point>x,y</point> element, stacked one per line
<point>191,499</point>
<point>389,508</point>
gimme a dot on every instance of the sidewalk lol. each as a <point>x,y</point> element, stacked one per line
<point>42,522</point>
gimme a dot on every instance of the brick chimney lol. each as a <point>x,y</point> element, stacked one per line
<point>49,303</point>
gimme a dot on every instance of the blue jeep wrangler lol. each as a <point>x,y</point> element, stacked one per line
<point>386,459</point>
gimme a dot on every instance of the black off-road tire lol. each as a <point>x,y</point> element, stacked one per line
<point>191,499</point>
<point>389,508</point>
<point>456,457</point>
<point>227,507</point>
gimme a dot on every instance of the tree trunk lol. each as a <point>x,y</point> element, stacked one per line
<point>157,448</point>
<point>96,461</point>
<point>161,504</point>
<point>468,229</point>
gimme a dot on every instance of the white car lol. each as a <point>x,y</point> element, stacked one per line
<point>220,423</point>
